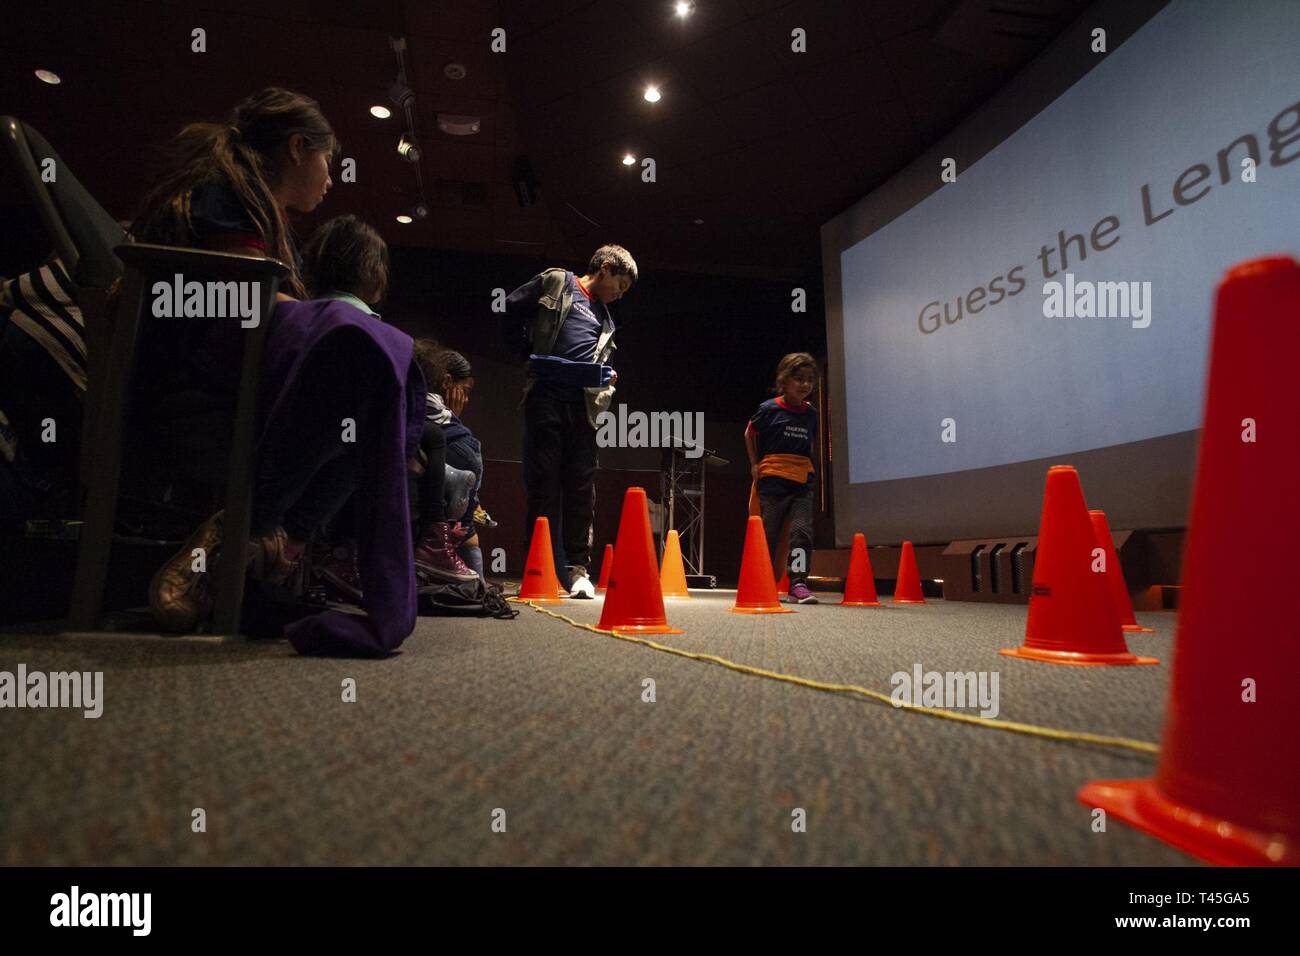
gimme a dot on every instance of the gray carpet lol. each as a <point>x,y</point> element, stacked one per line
<point>546,721</point>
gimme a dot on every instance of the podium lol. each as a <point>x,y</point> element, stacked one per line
<point>681,491</point>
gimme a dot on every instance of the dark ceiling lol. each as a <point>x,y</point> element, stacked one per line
<point>760,143</point>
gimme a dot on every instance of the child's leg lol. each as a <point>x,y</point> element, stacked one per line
<point>801,533</point>
<point>472,554</point>
<point>432,495</point>
<point>774,508</point>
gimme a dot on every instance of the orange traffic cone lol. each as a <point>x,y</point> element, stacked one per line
<point>784,586</point>
<point>606,565</point>
<point>1115,575</point>
<point>1072,617</point>
<point>757,591</point>
<point>672,576</point>
<point>860,585</point>
<point>633,601</point>
<point>907,589</point>
<point>540,584</point>
<point>1227,788</point>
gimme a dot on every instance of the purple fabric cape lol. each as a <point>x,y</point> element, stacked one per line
<point>380,501</point>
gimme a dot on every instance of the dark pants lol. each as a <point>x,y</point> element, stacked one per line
<point>430,492</point>
<point>798,504</point>
<point>560,473</point>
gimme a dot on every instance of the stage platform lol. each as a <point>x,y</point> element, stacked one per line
<point>547,722</point>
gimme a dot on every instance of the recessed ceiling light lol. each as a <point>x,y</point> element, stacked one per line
<point>404,220</point>
<point>454,71</point>
<point>652,94</point>
<point>682,8</point>
<point>48,76</point>
<point>699,222</point>
<point>380,112</point>
<point>629,159</point>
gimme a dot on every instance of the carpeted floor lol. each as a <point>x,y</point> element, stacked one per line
<point>546,722</point>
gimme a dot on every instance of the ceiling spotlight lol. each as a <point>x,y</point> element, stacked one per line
<point>629,159</point>
<point>682,8</point>
<point>652,94</point>
<point>405,220</point>
<point>48,76</point>
<point>407,149</point>
<point>380,112</point>
<point>421,211</point>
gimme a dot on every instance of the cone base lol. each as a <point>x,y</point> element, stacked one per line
<point>1077,658</point>
<point>644,629</point>
<point>761,610</point>
<point>907,600</point>
<point>861,604</point>
<point>683,597</point>
<point>1138,629</point>
<point>1140,804</point>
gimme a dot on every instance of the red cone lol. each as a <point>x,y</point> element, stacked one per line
<point>783,587</point>
<point>606,565</point>
<point>1227,788</point>
<point>634,602</point>
<point>1072,617</point>
<point>540,583</point>
<point>1115,575</point>
<point>860,584</point>
<point>757,591</point>
<point>907,588</point>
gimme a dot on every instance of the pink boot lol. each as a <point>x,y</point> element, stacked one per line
<point>436,557</point>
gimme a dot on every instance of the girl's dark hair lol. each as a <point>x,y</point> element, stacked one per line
<point>242,153</point>
<point>789,365</point>
<point>346,254</point>
<point>439,364</point>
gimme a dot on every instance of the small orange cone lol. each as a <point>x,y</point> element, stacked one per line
<point>1115,575</point>
<point>633,601</point>
<point>784,586</point>
<point>1072,617</point>
<point>860,585</point>
<point>907,589</point>
<point>606,565</point>
<point>757,591</point>
<point>540,584</point>
<point>1227,788</point>
<point>672,576</point>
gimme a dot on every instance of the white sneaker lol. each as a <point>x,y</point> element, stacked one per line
<point>582,588</point>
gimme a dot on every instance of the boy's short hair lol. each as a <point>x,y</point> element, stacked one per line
<point>346,254</point>
<point>618,259</point>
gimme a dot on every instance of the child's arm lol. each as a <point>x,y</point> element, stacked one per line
<point>750,446</point>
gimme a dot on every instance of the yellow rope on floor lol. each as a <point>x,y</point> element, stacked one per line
<point>1051,733</point>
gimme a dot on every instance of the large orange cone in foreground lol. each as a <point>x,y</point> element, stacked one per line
<point>1227,788</point>
<point>633,601</point>
<point>606,565</point>
<point>757,591</point>
<point>1115,575</point>
<point>672,576</point>
<point>540,583</point>
<point>860,584</point>
<point>1072,617</point>
<point>907,588</point>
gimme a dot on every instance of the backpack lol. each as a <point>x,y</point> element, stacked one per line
<point>464,599</point>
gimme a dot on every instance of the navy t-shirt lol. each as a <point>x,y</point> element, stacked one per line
<point>215,209</point>
<point>781,430</point>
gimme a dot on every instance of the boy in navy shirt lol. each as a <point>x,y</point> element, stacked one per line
<point>568,332</point>
<point>780,439</point>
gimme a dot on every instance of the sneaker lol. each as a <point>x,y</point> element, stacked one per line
<point>481,517</point>
<point>336,567</point>
<point>799,594</point>
<point>436,557</point>
<point>580,585</point>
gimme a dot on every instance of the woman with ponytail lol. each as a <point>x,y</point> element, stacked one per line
<point>338,392</point>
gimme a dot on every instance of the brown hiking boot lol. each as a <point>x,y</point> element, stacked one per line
<point>267,562</point>
<point>436,557</point>
<point>180,596</point>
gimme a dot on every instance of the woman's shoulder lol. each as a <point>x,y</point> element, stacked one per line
<point>215,207</point>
